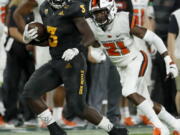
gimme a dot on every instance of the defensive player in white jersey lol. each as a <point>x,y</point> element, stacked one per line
<point>56,98</point>
<point>113,32</point>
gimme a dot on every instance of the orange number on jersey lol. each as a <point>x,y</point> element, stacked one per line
<point>53,39</point>
<point>111,48</point>
<point>139,16</point>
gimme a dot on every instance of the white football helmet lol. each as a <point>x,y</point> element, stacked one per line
<point>98,5</point>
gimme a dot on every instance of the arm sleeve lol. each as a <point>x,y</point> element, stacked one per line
<point>173,25</point>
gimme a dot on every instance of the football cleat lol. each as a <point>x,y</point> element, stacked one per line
<point>118,131</point>
<point>163,130</point>
<point>145,120</point>
<point>54,129</point>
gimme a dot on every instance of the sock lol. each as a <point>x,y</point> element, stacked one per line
<point>105,124</point>
<point>57,113</point>
<point>168,118</point>
<point>46,116</point>
<point>147,109</point>
<point>126,112</point>
<point>122,112</point>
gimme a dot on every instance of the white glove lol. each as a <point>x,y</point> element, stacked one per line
<point>29,35</point>
<point>97,54</point>
<point>171,68</point>
<point>69,54</point>
<point>2,109</point>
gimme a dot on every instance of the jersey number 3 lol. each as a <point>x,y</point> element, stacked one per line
<point>53,39</point>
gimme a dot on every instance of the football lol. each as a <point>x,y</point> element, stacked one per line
<point>42,32</point>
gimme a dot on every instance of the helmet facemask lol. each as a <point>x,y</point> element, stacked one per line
<point>107,6</point>
<point>57,4</point>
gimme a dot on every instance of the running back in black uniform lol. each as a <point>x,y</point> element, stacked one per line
<point>63,35</point>
<point>68,30</point>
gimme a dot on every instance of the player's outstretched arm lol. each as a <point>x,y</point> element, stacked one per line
<point>24,9</point>
<point>153,39</point>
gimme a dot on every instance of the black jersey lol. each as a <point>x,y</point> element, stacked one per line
<point>60,26</point>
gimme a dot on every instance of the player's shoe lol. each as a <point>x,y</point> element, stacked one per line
<point>54,129</point>
<point>128,121</point>
<point>176,131</point>
<point>75,123</point>
<point>118,131</point>
<point>163,130</point>
<point>145,120</point>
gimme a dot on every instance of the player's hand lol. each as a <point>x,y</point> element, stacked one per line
<point>69,54</point>
<point>2,109</point>
<point>96,55</point>
<point>171,68</point>
<point>29,35</point>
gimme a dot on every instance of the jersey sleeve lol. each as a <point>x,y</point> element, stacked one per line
<point>79,10</point>
<point>173,26</point>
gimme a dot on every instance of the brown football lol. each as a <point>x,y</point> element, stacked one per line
<point>42,32</point>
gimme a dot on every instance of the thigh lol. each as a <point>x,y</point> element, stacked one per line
<point>74,79</point>
<point>42,80</point>
<point>132,73</point>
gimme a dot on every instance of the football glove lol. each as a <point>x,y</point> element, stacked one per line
<point>29,35</point>
<point>2,109</point>
<point>96,55</point>
<point>171,68</point>
<point>69,54</point>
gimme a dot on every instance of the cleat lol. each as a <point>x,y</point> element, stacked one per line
<point>162,130</point>
<point>128,121</point>
<point>54,129</point>
<point>175,132</point>
<point>145,120</point>
<point>118,131</point>
<point>75,123</point>
<point>156,131</point>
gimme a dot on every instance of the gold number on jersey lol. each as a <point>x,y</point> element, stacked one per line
<point>53,39</point>
<point>83,10</point>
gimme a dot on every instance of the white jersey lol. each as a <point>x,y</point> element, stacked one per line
<point>3,4</point>
<point>116,39</point>
<point>139,9</point>
<point>42,53</point>
<point>177,42</point>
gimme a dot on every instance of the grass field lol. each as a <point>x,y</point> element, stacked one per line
<point>32,131</point>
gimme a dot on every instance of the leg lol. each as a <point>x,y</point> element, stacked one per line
<point>135,71</point>
<point>44,79</point>
<point>114,94</point>
<point>11,81</point>
<point>75,85</point>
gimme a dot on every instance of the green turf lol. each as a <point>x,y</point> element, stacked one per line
<point>32,131</point>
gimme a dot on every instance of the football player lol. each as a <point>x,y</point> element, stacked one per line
<point>42,55</point>
<point>113,32</point>
<point>70,38</point>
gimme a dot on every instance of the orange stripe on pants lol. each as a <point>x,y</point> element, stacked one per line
<point>144,64</point>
